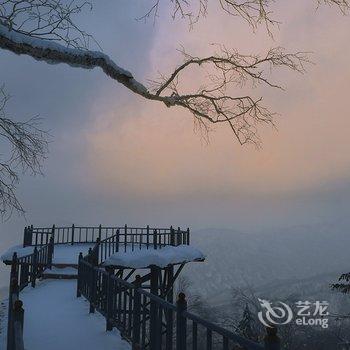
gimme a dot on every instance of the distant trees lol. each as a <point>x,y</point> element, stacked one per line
<point>343,284</point>
<point>47,31</point>
<point>247,325</point>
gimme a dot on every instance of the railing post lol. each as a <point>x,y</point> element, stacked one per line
<point>125,237</point>
<point>117,241</point>
<point>34,266</point>
<point>18,318</point>
<point>169,335</point>
<point>188,236</point>
<point>53,232</point>
<point>155,239</point>
<point>99,231</point>
<point>172,236</point>
<point>30,234</point>
<point>25,237</point>
<point>14,273</point>
<point>18,312</point>
<point>24,273</point>
<point>153,313</point>
<point>272,340</point>
<point>89,255</point>
<point>79,275</point>
<point>181,322</point>
<point>147,236</point>
<point>72,240</point>
<point>97,251</point>
<point>92,291</point>
<point>179,237</point>
<point>109,311</point>
<point>92,282</point>
<point>51,249</point>
<point>136,326</point>
<point>12,290</point>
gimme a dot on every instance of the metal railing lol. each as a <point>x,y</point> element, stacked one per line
<point>150,322</point>
<point>146,320</point>
<point>24,270</point>
<point>133,236</point>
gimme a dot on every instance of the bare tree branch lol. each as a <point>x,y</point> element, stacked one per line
<point>254,12</point>
<point>213,104</point>
<point>208,105</point>
<point>27,145</point>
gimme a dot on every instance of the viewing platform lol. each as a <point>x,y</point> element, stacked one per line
<point>119,247</point>
<point>125,278</point>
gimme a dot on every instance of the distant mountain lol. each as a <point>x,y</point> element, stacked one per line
<point>239,259</point>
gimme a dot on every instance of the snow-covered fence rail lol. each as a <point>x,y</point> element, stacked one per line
<point>148,321</point>
<point>123,235</point>
<point>28,268</point>
<point>24,270</point>
<point>138,238</point>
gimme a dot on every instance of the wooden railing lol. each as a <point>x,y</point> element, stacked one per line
<point>133,236</point>
<point>24,270</point>
<point>150,322</point>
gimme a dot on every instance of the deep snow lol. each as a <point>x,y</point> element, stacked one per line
<point>63,253</point>
<point>141,258</point>
<point>56,320</point>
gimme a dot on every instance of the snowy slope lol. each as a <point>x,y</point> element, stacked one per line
<point>236,258</point>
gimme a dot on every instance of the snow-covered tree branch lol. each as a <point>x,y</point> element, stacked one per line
<point>46,30</point>
<point>210,104</point>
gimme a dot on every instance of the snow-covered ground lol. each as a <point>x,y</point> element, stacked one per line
<point>141,258</point>
<point>63,253</point>
<point>56,320</point>
<point>61,271</point>
<point>68,254</point>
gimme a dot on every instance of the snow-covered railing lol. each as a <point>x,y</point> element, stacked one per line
<point>135,236</point>
<point>28,268</point>
<point>24,270</point>
<point>122,241</point>
<point>148,321</point>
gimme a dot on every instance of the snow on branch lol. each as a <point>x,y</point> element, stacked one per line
<point>48,19</point>
<point>209,105</point>
<point>53,53</point>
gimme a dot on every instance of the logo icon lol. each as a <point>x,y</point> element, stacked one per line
<point>278,314</point>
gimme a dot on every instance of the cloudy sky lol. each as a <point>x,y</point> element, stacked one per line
<point>116,158</point>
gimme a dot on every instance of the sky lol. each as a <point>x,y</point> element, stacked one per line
<point>116,158</point>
